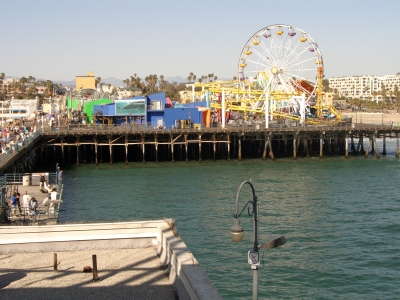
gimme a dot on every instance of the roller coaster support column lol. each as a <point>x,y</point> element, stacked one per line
<point>192,92</point>
<point>223,108</point>
<point>302,109</point>
<point>266,110</point>
<point>320,77</point>
<point>208,98</point>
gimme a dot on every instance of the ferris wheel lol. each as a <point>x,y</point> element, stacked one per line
<point>282,59</point>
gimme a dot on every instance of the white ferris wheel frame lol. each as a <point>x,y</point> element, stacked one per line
<point>283,60</point>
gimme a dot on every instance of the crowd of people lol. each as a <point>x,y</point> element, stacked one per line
<point>14,135</point>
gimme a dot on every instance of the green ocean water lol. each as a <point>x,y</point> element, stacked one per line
<point>340,217</point>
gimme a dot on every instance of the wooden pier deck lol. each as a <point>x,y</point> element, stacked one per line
<point>44,214</point>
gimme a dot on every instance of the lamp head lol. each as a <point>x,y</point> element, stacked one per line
<point>237,231</point>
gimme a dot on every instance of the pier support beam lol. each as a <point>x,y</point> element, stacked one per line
<point>265,147</point>
<point>271,152</point>
<point>172,148</point>
<point>62,152</point>
<point>295,147</point>
<point>240,148</point>
<point>369,145</point>
<point>95,151</point>
<point>156,146</point>
<point>397,146</point>
<point>143,150</point>
<point>346,147</point>
<point>126,149</point>
<point>229,147</point>
<point>306,150</point>
<point>186,148</point>
<point>376,146</point>
<point>384,145</point>
<point>199,148</point>
<point>77,152</point>
<point>321,146</point>
<point>110,146</point>
<point>214,146</point>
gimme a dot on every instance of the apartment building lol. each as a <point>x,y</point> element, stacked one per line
<point>366,87</point>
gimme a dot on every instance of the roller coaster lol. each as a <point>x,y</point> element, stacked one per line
<point>280,73</point>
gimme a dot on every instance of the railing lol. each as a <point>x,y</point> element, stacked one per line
<point>8,152</point>
<point>31,216</point>
<point>288,126</point>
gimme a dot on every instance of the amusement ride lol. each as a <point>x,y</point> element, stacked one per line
<point>280,73</point>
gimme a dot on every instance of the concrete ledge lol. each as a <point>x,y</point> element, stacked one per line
<point>184,272</point>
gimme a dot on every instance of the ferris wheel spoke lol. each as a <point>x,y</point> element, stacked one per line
<point>266,50</point>
<point>302,62</point>
<point>265,59</point>
<point>297,57</point>
<point>292,56</point>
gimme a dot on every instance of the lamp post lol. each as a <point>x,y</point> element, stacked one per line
<point>237,234</point>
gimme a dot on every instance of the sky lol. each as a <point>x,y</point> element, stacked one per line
<point>58,40</point>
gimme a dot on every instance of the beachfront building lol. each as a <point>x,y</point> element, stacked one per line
<point>366,87</point>
<point>85,82</point>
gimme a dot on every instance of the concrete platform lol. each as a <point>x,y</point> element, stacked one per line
<point>135,260</point>
<point>123,273</point>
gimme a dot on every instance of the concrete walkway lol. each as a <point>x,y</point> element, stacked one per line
<point>123,273</point>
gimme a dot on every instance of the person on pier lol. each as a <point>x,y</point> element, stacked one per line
<point>17,200</point>
<point>26,199</point>
<point>42,180</point>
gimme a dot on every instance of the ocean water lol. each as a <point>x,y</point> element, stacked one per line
<point>340,217</point>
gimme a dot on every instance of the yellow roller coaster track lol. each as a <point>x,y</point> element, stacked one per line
<point>252,96</point>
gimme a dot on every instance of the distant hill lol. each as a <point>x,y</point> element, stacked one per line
<point>113,81</point>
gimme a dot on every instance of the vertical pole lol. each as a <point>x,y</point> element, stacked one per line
<point>255,248</point>
<point>62,152</point>
<point>266,110</point>
<point>294,147</point>
<point>214,146</point>
<point>186,148</point>
<point>265,148</point>
<point>126,149</point>
<point>95,274</point>
<point>285,140</point>
<point>143,151</point>
<point>156,145</point>
<point>397,146</point>
<point>77,153</point>
<point>229,147</point>
<point>346,150</point>
<point>321,144</point>
<point>271,153</point>
<point>376,147</point>
<point>110,146</point>
<point>384,145</point>
<point>172,150</point>
<point>240,149</point>
<point>199,148</point>
<point>223,108</point>
<point>95,151</point>
<point>55,262</point>
<point>369,145</point>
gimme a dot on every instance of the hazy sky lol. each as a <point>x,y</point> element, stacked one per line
<point>59,40</point>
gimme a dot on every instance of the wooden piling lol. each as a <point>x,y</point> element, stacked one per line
<point>271,153</point>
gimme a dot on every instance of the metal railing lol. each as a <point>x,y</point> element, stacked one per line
<point>7,153</point>
<point>233,126</point>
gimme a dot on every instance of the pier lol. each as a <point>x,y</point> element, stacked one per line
<point>97,144</point>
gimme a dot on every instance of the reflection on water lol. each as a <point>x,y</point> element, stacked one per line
<point>339,217</point>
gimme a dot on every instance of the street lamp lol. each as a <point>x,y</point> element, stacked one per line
<point>237,234</point>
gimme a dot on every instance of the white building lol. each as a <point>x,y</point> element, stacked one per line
<point>365,87</point>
